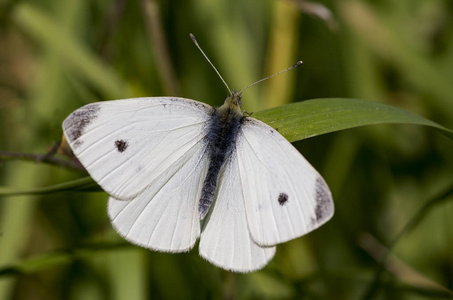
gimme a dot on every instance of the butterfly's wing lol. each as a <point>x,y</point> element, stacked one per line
<point>126,145</point>
<point>149,151</point>
<point>165,216</point>
<point>225,240</point>
<point>285,197</point>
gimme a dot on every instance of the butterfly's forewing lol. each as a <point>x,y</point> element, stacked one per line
<point>285,197</point>
<point>126,145</point>
<point>225,240</point>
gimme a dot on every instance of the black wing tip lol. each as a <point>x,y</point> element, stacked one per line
<point>324,202</point>
<point>75,124</point>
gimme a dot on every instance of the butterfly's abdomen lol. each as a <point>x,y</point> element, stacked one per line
<point>221,140</point>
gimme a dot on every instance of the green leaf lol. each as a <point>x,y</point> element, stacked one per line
<point>310,118</point>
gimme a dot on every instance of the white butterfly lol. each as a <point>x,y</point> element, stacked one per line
<point>177,170</point>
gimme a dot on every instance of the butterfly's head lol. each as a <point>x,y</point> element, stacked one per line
<point>233,102</point>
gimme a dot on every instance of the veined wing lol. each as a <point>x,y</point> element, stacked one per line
<point>128,144</point>
<point>225,240</point>
<point>164,217</point>
<point>285,197</point>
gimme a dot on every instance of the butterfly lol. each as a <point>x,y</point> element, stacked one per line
<point>178,170</point>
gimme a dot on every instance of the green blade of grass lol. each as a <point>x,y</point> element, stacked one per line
<point>71,52</point>
<point>83,184</point>
<point>444,195</point>
<point>301,120</point>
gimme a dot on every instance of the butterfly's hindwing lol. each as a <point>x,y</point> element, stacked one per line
<point>225,240</point>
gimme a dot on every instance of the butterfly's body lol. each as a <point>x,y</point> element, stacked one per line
<point>220,142</point>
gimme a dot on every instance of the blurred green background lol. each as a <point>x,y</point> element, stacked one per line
<point>56,56</point>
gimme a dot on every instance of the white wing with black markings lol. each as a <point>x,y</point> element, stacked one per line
<point>284,196</point>
<point>149,155</point>
<point>127,144</point>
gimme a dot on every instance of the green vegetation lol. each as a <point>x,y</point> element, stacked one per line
<point>392,233</point>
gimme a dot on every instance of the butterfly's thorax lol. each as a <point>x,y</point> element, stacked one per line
<point>221,140</point>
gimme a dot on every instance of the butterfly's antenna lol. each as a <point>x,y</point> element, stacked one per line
<point>292,67</point>
<point>198,46</point>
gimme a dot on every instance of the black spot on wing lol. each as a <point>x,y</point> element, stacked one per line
<point>74,126</point>
<point>282,198</point>
<point>121,145</point>
<point>324,206</point>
